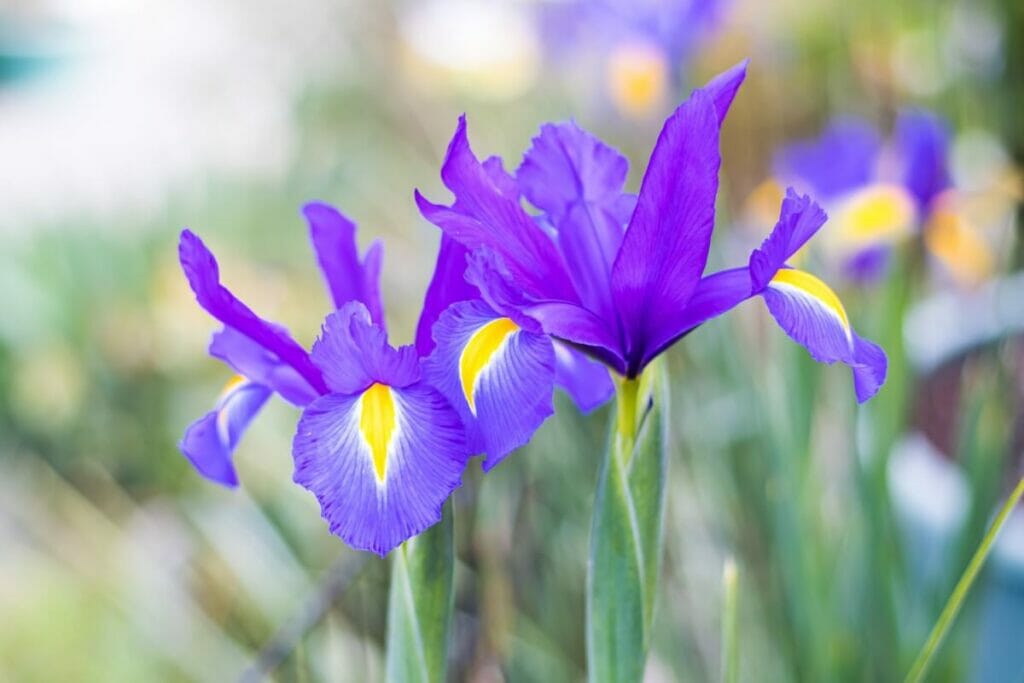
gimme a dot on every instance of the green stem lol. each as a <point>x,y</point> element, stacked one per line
<point>956,600</point>
<point>625,424</point>
<point>730,623</point>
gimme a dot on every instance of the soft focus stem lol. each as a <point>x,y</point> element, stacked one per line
<point>730,623</point>
<point>625,414</point>
<point>931,647</point>
<point>420,605</point>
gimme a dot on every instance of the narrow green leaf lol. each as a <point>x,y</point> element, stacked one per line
<point>730,623</point>
<point>931,647</point>
<point>420,605</point>
<point>626,534</point>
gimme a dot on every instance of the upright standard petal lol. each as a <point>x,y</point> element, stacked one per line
<point>841,159</point>
<point>447,286</point>
<point>353,353</point>
<point>203,276</point>
<point>482,216</point>
<point>813,316</point>
<point>723,87</point>
<point>209,441</point>
<point>348,278</point>
<point>577,181</point>
<point>381,462</point>
<point>666,245</point>
<point>799,219</point>
<point>922,139</point>
<point>497,375</point>
<point>255,363</point>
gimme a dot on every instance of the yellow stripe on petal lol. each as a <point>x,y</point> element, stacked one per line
<point>479,351</point>
<point>805,283</point>
<point>231,385</point>
<point>377,425</point>
<point>876,214</point>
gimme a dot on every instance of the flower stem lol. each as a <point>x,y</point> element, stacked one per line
<point>963,586</point>
<point>730,623</point>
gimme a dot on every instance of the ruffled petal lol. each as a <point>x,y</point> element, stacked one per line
<point>799,219</point>
<point>813,316</point>
<point>353,353</point>
<point>577,181</point>
<point>203,276</point>
<point>348,278</point>
<point>209,441</point>
<point>499,377</point>
<point>482,216</point>
<point>255,363</point>
<point>587,382</point>
<point>381,463</point>
<point>666,245</point>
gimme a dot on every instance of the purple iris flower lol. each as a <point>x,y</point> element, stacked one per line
<point>379,447</point>
<point>877,194</point>
<point>617,276</point>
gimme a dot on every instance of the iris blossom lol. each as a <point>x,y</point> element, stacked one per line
<point>880,195</point>
<point>376,444</point>
<point>617,276</point>
<point>645,45</point>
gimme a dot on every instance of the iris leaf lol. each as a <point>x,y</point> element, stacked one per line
<point>420,605</point>
<point>626,533</point>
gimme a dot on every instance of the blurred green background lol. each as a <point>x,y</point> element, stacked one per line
<point>119,125</point>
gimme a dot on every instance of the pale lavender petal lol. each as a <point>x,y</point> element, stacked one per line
<point>210,441</point>
<point>254,362</point>
<point>423,463</point>
<point>353,353</point>
<point>498,376</point>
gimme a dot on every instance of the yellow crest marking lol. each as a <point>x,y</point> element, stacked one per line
<point>810,285</point>
<point>878,213</point>
<point>478,352</point>
<point>377,424</point>
<point>232,384</point>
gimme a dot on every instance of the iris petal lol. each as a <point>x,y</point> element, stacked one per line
<point>254,362</point>
<point>666,245</point>
<point>203,275</point>
<point>498,376</point>
<point>587,382</point>
<point>209,441</point>
<point>813,316</point>
<point>381,463</point>
<point>348,278</point>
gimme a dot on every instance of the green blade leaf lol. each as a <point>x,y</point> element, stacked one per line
<point>626,533</point>
<point>420,605</point>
